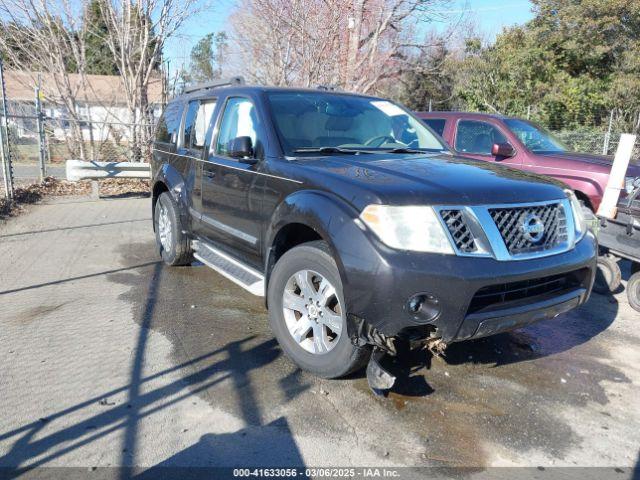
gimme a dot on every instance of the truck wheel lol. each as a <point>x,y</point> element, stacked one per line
<point>633,291</point>
<point>635,267</point>
<point>172,243</point>
<point>307,312</point>
<point>608,276</point>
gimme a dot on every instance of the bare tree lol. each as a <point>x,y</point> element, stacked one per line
<point>355,44</point>
<point>48,36</point>
<point>137,33</point>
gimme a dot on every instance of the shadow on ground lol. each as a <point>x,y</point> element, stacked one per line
<point>35,444</point>
<point>488,390</point>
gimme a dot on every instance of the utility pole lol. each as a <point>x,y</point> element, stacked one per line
<point>41,137</point>
<point>5,153</point>
<point>607,136</point>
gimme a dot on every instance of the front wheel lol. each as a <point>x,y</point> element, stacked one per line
<point>307,312</point>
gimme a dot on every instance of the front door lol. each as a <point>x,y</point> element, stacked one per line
<point>231,196</point>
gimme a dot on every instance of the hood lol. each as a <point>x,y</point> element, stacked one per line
<point>590,162</point>
<point>439,179</point>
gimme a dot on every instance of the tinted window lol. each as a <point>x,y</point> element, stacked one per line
<point>189,123</point>
<point>201,124</point>
<point>169,123</point>
<point>313,120</point>
<point>239,120</point>
<point>436,124</point>
<point>477,137</point>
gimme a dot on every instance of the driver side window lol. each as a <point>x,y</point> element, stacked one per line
<point>238,120</point>
<point>477,137</point>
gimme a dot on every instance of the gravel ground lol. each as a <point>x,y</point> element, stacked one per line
<point>111,359</point>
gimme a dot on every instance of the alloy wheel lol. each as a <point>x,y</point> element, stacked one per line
<point>312,311</point>
<point>164,228</point>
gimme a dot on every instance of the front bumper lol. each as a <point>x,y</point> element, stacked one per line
<point>455,283</point>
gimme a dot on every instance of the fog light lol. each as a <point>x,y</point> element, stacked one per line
<point>424,306</point>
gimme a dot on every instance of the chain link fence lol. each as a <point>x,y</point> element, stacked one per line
<point>597,143</point>
<point>588,129</point>
<point>102,141</point>
<point>38,137</point>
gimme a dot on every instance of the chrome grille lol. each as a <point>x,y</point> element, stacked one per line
<point>462,236</point>
<point>510,223</point>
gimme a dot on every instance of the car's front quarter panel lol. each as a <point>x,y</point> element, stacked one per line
<point>588,180</point>
<point>326,214</point>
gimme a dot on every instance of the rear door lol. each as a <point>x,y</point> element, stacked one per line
<point>196,132</point>
<point>475,139</point>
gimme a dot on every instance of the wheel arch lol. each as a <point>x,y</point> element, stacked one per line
<point>305,217</point>
<point>583,197</point>
<point>158,189</point>
<point>168,179</point>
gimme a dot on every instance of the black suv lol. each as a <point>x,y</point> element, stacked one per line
<point>358,224</point>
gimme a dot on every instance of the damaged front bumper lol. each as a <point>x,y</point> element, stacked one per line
<point>463,298</point>
<point>460,298</point>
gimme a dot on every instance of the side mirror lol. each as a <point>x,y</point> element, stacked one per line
<point>504,150</point>
<point>242,149</point>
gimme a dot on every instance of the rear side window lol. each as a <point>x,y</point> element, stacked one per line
<point>189,121</point>
<point>477,137</point>
<point>169,123</point>
<point>201,123</point>
<point>436,124</point>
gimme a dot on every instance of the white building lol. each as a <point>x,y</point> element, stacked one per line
<point>101,105</point>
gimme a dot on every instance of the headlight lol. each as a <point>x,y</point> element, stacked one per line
<point>578,216</point>
<point>414,228</point>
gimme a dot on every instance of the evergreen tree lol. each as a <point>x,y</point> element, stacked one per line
<point>207,58</point>
<point>99,57</point>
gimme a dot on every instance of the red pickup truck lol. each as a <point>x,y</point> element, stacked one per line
<point>524,145</point>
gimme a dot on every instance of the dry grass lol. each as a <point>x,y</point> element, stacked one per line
<point>53,187</point>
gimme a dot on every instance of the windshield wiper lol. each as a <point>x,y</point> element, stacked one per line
<point>414,150</point>
<point>352,151</point>
<point>404,150</point>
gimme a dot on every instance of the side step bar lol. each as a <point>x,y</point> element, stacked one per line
<point>223,263</point>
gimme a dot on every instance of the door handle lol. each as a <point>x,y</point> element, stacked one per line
<point>209,173</point>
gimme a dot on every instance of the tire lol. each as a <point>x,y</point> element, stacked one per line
<point>635,267</point>
<point>173,245</point>
<point>608,276</point>
<point>633,291</point>
<point>307,264</point>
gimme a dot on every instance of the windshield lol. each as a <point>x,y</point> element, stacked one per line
<point>309,122</point>
<point>535,138</point>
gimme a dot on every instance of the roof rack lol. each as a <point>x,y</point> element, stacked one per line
<point>327,88</point>
<point>215,84</point>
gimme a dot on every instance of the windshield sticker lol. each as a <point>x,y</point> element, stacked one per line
<point>388,108</point>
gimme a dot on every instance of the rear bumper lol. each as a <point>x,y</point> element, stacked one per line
<point>452,284</point>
